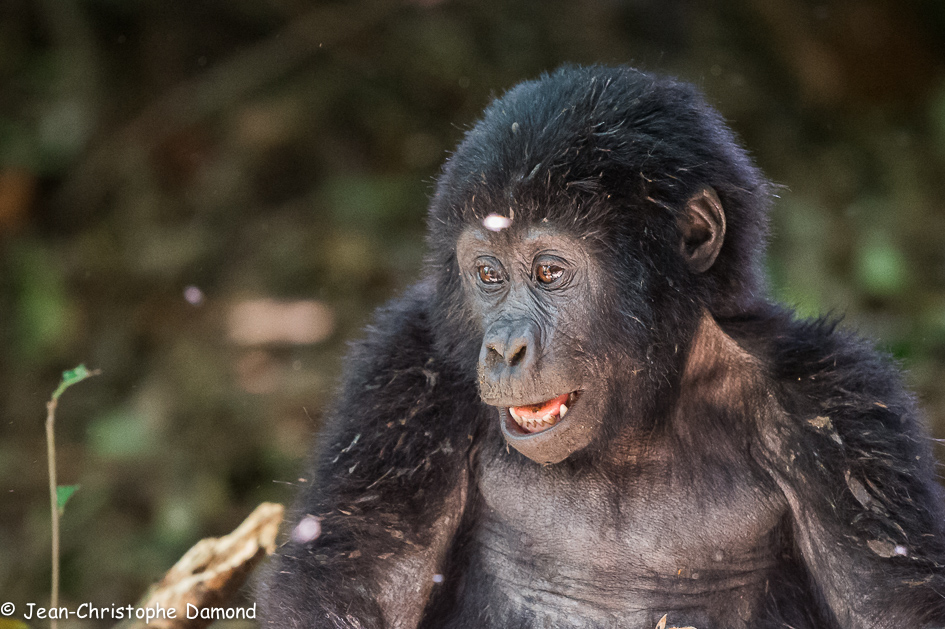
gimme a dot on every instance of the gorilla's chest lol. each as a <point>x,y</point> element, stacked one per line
<point>662,535</point>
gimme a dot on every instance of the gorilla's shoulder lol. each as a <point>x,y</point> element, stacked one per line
<point>838,368</point>
<point>396,361</point>
<point>398,336</point>
<point>820,366</point>
<point>838,388</point>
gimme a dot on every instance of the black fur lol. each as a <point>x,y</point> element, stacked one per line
<point>750,470</point>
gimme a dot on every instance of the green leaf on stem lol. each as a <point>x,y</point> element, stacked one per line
<point>71,377</point>
<point>63,493</point>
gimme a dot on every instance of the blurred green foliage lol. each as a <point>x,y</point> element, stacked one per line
<point>162,162</point>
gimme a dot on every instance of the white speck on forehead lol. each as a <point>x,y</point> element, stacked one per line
<point>496,223</point>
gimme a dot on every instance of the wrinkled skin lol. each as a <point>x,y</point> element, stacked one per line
<point>533,346</point>
<point>589,414</point>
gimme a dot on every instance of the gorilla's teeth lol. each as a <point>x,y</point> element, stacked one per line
<point>538,424</point>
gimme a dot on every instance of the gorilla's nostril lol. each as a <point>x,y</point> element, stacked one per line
<point>493,357</point>
<point>517,357</point>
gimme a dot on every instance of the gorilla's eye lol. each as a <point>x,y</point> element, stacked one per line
<point>548,273</point>
<point>489,274</point>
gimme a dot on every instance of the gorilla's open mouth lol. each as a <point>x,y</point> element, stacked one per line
<point>539,417</point>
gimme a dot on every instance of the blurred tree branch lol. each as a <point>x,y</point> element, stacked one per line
<point>196,99</point>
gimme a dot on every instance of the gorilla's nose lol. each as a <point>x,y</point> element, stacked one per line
<point>508,350</point>
<point>511,353</point>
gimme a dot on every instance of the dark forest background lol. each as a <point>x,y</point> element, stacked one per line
<point>206,199</point>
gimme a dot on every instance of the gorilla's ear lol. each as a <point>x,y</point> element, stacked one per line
<point>702,225</point>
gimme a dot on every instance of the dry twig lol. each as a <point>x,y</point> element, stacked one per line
<point>210,573</point>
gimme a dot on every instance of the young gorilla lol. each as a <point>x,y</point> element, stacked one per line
<point>590,415</point>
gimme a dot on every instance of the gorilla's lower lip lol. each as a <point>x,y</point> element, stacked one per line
<point>535,418</point>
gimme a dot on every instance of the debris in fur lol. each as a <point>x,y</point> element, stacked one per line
<point>824,424</point>
<point>662,624</point>
<point>887,549</point>
<point>858,490</point>
<point>820,422</point>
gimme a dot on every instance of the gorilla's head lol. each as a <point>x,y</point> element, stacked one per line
<point>578,233</point>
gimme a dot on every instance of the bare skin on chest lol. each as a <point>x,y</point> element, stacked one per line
<point>661,541</point>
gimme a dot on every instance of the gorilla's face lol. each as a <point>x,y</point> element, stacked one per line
<point>535,292</point>
<point>569,331</point>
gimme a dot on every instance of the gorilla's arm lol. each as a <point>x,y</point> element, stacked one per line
<point>855,465</point>
<point>389,486</point>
